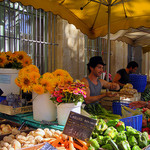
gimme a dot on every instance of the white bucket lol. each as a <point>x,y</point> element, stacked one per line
<point>43,107</point>
<point>63,111</point>
<point>7,81</point>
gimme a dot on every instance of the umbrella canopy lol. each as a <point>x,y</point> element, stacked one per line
<point>91,16</point>
<point>98,17</point>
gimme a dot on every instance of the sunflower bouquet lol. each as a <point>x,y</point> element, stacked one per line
<point>17,60</point>
<point>30,80</point>
<point>69,93</point>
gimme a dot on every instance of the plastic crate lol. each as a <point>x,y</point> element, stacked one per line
<point>133,121</point>
<point>138,81</point>
<point>2,98</point>
<point>117,106</point>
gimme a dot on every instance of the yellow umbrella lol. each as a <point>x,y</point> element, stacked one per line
<point>98,17</point>
<point>93,19</point>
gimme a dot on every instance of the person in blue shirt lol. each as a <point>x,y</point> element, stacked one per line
<point>94,84</point>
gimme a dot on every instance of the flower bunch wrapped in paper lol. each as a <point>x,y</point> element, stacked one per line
<point>17,60</point>
<point>69,93</point>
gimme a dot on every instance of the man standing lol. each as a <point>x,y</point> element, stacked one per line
<point>95,67</point>
<point>122,75</point>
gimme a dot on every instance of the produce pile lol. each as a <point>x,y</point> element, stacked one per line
<point>99,112</point>
<point>112,135</point>
<point>19,140</point>
<point>145,96</point>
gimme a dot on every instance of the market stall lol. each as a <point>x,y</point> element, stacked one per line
<point>52,115</point>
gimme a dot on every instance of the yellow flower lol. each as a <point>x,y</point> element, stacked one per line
<point>28,69</point>
<point>45,82</point>
<point>3,60</point>
<point>26,61</point>
<point>25,83</point>
<point>20,55</point>
<point>34,76</point>
<point>37,88</point>
<point>33,68</point>
<point>17,81</point>
<point>59,72</point>
<point>48,75</point>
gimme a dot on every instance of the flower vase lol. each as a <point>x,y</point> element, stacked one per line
<point>63,111</point>
<point>43,107</point>
<point>7,81</point>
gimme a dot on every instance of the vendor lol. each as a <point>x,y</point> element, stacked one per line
<point>122,75</point>
<point>94,85</point>
<point>140,104</point>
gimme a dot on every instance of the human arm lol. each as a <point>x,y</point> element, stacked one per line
<point>139,104</point>
<point>117,78</point>
<point>109,85</point>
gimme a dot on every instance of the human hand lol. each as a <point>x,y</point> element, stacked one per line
<point>137,104</point>
<point>110,94</point>
<point>114,86</point>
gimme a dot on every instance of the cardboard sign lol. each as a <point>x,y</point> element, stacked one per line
<point>79,126</point>
<point>48,146</point>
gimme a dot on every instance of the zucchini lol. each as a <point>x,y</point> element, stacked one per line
<point>113,144</point>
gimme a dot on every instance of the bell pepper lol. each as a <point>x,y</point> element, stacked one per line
<point>100,139</point>
<point>120,126</point>
<point>131,131</point>
<point>105,140</point>
<point>146,135</point>
<point>107,147</point>
<point>112,123</point>
<point>94,135</point>
<point>94,143</point>
<point>121,137</point>
<point>124,145</point>
<point>132,141</point>
<point>142,141</point>
<point>91,147</point>
<point>113,144</point>
<point>111,131</point>
<point>101,126</point>
<point>136,147</point>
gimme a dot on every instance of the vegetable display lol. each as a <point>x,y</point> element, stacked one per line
<point>100,112</point>
<point>111,135</point>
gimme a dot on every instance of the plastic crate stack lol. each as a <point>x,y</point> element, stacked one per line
<point>138,81</point>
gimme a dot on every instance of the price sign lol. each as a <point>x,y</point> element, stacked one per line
<point>79,126</point>
<point>48,146</point>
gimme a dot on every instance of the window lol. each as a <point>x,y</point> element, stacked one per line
<point>96,47</point>
<point>23,28</point>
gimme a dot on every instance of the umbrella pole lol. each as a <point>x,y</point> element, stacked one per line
<point>108,44</point>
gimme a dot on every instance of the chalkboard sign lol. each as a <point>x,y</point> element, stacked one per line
<point>48,146</point>
<point>79,126</point>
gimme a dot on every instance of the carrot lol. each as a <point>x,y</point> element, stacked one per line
<point>48,139</point>
<point>71,146</point>
<point>83,143</point>
<point>51,141</point>
<point>55,143</point>
<point>78,146</point>
<point>66,143</point>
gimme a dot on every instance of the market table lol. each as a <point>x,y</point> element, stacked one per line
<point>29,121</point>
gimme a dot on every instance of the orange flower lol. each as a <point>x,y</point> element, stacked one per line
<point>37,88</point>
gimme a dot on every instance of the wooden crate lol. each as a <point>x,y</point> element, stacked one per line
<point>107,102</point>
<point>13,111</point>
<point>17,125</point>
